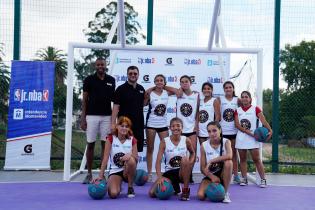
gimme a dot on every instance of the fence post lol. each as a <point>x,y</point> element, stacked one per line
<point>275,95</point>
<point>150,22</point>
<point>17,30</point>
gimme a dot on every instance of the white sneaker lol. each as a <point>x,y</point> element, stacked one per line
<point>227,198</point>
<point>243,182</point>
<point>263,183</point>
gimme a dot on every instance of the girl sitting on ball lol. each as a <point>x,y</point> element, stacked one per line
<point>247,119</point>
<point>121,148</point>
<point>215,161</point>
<point>178,163</point>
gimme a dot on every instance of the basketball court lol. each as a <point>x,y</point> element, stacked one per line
<point>45,190</point>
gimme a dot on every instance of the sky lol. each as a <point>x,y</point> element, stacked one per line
<point>183,23</point>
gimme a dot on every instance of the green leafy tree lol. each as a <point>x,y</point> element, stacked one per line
<point>98,29</point>
<point>4,86</point>
<point>60,59</point>
<point>298,70</point>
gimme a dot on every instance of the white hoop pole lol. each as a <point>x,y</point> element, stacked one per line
<point>68,134</point>
<point>112,30</point>
<point>213,23</point>
<point>120,8</point>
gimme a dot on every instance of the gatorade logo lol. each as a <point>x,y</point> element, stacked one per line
<point>28,148</point>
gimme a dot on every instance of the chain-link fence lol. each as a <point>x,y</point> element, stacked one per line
<point>48,26</point>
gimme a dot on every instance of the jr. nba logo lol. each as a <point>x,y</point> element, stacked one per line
<point>17,95</point>
<point>45,95</point>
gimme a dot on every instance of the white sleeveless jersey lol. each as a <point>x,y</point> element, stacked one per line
<point>173,154</point>
<point>211,152</point>
<point>248,120</point>
<point>186,108</point>
<point>227,115</point>
<point>206,115</point>
<point>157,113</point>
<point>118,150</point>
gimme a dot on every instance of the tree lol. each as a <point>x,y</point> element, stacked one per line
<point>298,65</point>
<point>98,29</point>
<point>298,70</point>
<point>4,86</point>
<point>59,57</point>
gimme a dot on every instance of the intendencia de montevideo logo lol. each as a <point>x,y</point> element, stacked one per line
<point>22,95</point>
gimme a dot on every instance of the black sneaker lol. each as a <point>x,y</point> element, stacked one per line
<point>185,194</point>
<point>87,179</point>
<point>131,192</point>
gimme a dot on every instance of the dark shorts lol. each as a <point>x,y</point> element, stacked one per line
<point>218,174</point>
<point>158,130</point>
<point>189,134</point>
<point>121,174</point>
<point>230,137</point>
<point>173,175</point>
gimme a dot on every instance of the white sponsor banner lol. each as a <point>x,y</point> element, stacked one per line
<point>201,67</point>
<point>34,151</point>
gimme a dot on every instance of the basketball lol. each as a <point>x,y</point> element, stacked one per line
<point>165,191</point>
<point>141,177</point>
<point>97,190</point>
<point>261,134</point>
<point>215,192</point>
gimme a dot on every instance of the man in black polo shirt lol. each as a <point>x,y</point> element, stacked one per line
<point>128,101</point>
<point>98,91</point>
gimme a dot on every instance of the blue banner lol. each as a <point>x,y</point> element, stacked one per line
<point>31,98</point>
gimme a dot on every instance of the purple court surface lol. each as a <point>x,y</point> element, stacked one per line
<point>74,196</point>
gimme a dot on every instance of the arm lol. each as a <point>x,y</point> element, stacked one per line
<point>108,147</point>
<point>159,159</point>
<point>147,96</point>
<point>192,153</point>
<point>171,90</point>
<point>83,114</point>
<point>227,156</point>
<point>196,129</point>
<point>217,109</point>
<point>204,167</point>
<point>240,128</point>
<point>265,123</point>
<point>133,154</point>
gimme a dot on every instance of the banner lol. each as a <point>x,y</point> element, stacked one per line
<point>200,67</point>
<point>30,115</point>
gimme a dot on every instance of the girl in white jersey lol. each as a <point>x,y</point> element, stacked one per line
<point>228,104</point>
<point>121,148</point>
<point>175,149</point>
<point>215,161</point>
<point>209,110</point>
<point>186,109</point>
<point>246,121</point>
<point>156,122</point>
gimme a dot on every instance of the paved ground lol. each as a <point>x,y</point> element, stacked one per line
<point>56,176</point>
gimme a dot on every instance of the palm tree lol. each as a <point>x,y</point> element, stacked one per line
<point>4,86</point>
<point>58,56</point>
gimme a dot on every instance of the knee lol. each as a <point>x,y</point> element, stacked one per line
<point>131,162</point>
<point>201,195</point>
<point>113,194</point>
<point>228,164</point>
<point>256,160</point>
<point>185,161</point>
